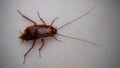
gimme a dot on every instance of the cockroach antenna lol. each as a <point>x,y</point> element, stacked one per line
<point>76,19</point>
<point>72,22</point>
<point>78,39</point>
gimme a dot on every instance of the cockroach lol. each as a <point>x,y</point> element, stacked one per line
<point>41,31</point>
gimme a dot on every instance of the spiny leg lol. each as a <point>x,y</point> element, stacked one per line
<point>53,21</point>
<point>41,18</point>
<point>27,18</point>
<point>42,40</point>
<point>55,38</point>
<point>28,51</point>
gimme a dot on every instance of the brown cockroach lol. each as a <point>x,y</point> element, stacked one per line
<point>40,31</point>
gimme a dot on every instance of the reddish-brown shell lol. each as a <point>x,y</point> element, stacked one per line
<point>38,31</point>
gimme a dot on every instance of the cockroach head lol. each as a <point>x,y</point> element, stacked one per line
<point>52,30</point>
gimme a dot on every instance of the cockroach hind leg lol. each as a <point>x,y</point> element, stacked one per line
<point>24,60</point>
<point>20,12</point>
<point>42,40</point>
<point>29,51</point>
<point>39,54</point>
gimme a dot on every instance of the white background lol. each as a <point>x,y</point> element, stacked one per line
<point>101,26</point>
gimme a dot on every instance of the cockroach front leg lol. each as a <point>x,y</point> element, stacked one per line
<point>41,18</point>
<point>53,21</point>
<point>42,40</point>
<point>27,18</point>
<point>55,38</point>
<point>28,51</point>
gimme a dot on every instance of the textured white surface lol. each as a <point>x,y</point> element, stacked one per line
<point>100,26</point>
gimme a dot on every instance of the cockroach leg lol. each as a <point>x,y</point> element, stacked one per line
<point>53,21</point>
<point>41,18</point>
<point>42,40</point>
<point>56,38</point>
<point>27,18</point>
<point>29,51</point>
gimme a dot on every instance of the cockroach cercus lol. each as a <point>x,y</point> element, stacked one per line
<point>41,31</point>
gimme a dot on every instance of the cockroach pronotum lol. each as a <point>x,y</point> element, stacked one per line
<point>40,31</point>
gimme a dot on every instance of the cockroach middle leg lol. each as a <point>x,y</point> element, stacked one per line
<point>27,18</point>
<point>29,51</point>
<point>42,40</point>
<point>41,18</point>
